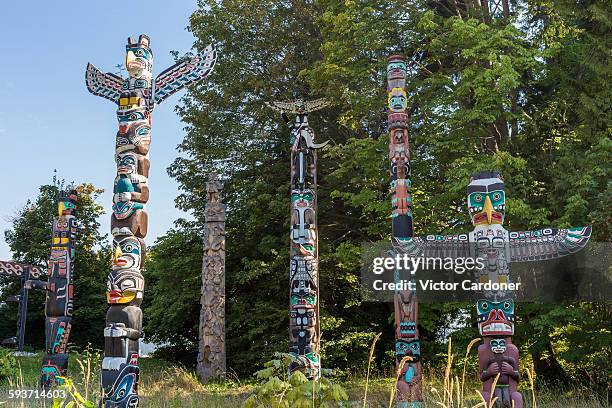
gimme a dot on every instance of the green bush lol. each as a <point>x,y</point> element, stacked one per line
<point>278,390</point>
<point>8,365</point>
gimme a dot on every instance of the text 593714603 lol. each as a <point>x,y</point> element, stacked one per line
<point>22,393</point>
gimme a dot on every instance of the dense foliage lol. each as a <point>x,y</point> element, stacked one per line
<point>526,95</point>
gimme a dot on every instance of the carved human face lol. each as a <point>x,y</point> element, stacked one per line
<point>410,348</point>
<point>126,163</point>
<point>128,252</point>
<point>486,201</point>
<point>301,198</point>
<point>132,116</point>
<point>498,346</point>
<point>125,286</point>
<point>398,100</point>
<point>495,318</point>
<point>308,300</point>
<point>396,69</point>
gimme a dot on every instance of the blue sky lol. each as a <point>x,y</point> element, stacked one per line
<point>48,119</point>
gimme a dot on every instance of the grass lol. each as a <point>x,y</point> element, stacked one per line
<point>165,385</point>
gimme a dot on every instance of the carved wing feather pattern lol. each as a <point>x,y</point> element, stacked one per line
<point>15,269</point>
<point>185,73</point>
<point>293,107</point>
<point>315,105</point>
<point>430,246</point>
<point>107,85</point>
<point>547,243</point>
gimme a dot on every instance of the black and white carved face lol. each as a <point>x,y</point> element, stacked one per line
<point>125,287</point>
<point>128,252</point>
<point>127,163</point>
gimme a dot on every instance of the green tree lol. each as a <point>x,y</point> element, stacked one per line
<point>488,90</point>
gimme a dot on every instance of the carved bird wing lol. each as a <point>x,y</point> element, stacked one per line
<point>283,107</point>
<point>184,73</point>
<point>434,246</point>
<point>547,243</point>
<point>107,85</point>
<point>315,105</point>
<point>15,269</point>
<point>298,107</point>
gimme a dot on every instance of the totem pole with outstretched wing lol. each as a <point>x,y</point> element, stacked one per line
<point>136,97</point>
<point>304,329</point>
<point>490,241</point>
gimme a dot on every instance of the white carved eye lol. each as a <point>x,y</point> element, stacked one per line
<point>128,284</point>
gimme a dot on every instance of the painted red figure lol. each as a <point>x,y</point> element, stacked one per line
<point>500,356</point>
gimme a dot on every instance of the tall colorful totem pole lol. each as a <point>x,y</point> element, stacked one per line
<point>59,288</point>
<point>304,328</point>
<point>136,97</point>
<point>211,356</point>
<point>497,248</point>
<point>406,305</point>
<point>495,309</point>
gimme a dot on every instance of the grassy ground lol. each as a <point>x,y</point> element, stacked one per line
<point>165,385</point>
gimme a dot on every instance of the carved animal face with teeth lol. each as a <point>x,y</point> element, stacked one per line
<point>495,318</point>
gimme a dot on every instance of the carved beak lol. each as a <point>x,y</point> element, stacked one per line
<point>60,208</point>
<point>117,254</point>
<point>488,207</point>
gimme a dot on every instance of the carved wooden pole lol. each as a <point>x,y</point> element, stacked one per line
<point>406,305</point>
<point>59,287</point>
<point>304,328</point>
<point>24,272</point>
<point>136,97</point>
<point>496,247</point>
<point>486,199</point>
<point>211,356</point>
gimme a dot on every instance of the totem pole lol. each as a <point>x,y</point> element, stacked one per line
<point>59,288</point>
<point>303,270</point>
<point>211,356</point>
<point>498,247</point>
<point>136,97</point>
<point>24,272</point>
<point>405,302</point>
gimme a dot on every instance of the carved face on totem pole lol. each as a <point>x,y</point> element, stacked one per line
<point>495,318</point>
<point>398,100</point>
<point>410,348</point>
<point>139,58</point>
<point>498,346</point>
<point>125,287</point>
<point>128,252</point>
<point>67,203</point>
<point>134,130</point>
<point>486,199</point>
<point>130,163</point>
<point>396,68</point>
<point>303,231</point>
